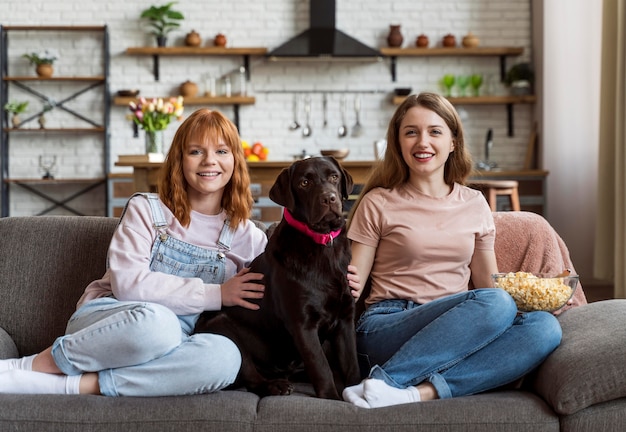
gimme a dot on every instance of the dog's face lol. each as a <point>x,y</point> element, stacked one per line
<point>313,191</point>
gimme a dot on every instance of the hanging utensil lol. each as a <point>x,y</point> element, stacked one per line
<point>325,109</point>
<point>294,124</point>
<point>343,129</point>
<point>357,129</point>
<point>307,131</point>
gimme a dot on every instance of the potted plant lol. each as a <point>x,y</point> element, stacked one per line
<point>43,60</point>
<point>163,19</point>
<point>520,79</point>
<point>15,108</point>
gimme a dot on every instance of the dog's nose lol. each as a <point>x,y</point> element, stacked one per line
<point>328,198</point>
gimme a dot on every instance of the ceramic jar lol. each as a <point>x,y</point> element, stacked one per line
<point>188,89</point>
<point>449,41</point>
<point>193,39</point>
<point>422,41</point>
<point>470,41</point>
<point>395,38</point>
<point>220,40</point>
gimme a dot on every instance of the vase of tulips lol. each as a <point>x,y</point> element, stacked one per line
<point>153,116</point>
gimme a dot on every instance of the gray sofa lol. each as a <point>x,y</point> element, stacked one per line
<point>45,263</point>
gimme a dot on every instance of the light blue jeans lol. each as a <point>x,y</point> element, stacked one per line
<point>144,349</point>
<point>463,344</point>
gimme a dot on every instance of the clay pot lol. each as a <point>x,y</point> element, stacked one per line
<point>422,41</point>
<point>220,40</point>
<point>470,41</point>
<point>15,120</point>
<point>188,89</point>
<point>44,70</point>
<point>193,39</point>
<point>395,38</point>
<point>449,41</point>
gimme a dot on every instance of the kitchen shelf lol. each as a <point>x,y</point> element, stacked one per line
<point>157,52</point>
<point>63,130</point>
<point>509,101</point>
<point>235,101</point>
<point>501,52</point>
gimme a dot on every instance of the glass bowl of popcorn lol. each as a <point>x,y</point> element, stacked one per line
<point>537,292</point>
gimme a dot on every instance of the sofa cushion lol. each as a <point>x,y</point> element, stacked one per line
<point>589,367</point>
<point>225,411</point>
<point>501,411</point>
<point>52,260</point>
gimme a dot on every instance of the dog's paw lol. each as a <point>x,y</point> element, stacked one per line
<point>279,387</point>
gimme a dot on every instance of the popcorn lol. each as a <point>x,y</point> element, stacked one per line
<point>534,293</point>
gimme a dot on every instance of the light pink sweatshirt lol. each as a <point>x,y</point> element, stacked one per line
<point>128,276</point>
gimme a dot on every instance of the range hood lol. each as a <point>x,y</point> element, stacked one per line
<point>323,40</point>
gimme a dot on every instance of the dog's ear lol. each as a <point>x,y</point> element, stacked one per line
<point>346,179</point>
<point>281,192</point>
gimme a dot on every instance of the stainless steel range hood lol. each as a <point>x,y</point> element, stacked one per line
<point>323,41</point>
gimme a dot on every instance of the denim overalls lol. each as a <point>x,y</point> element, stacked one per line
<point>144,349</point>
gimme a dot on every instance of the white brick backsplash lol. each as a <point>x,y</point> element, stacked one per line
<point>266,23</point>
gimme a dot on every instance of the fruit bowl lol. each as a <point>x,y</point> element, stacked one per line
<point>537,292</point>
<point>337,154</point>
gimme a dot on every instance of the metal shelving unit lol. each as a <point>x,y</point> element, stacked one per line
<point>29,84</point>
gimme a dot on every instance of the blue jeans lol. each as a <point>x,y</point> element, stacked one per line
<point>144,349</point>
<point>463,344</point>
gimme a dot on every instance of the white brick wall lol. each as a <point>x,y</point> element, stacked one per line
<point>268,23</point>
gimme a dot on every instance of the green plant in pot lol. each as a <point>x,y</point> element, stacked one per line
<point>520,79</point>
<point>16,108</point>
<point>163,19</point>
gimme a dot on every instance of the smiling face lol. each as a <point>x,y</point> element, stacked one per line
<point>425,142</point>
<point>208,166</point>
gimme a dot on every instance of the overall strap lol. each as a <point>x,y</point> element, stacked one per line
<point>226,236</point>
<point>158,217</point>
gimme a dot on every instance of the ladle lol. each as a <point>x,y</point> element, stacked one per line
<point>307,131</point>
<point>295,125</point>
<point>357,129</point>
<point>343,129</point>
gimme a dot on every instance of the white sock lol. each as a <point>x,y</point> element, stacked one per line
<point>23,363</point>
<point>354,395</point>
<point>378,394</point>
<point>28,382</point>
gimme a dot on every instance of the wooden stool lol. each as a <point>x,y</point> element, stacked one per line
<point>493,188</point>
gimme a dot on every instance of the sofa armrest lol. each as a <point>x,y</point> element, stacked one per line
<point>7,346</point>
<point>589,367</point>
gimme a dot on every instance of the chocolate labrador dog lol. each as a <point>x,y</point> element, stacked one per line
<point>307,313</point>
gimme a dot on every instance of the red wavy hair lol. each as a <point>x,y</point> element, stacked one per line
<point>206,125</point>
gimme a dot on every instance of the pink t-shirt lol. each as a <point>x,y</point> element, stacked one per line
<point>129,276</point>
<point>424,245</point>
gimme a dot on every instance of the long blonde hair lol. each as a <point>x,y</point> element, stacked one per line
<point>206,125</point>
<point>393,171</point>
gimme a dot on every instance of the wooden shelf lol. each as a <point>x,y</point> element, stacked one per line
<point>64,130</point>
<point>195,51</point>
<point>233,100</point>
<point>482,100</point>
<point>55,28</point>
<point>156,52</point>
<point>53,78</point>
<point>502,52</point>
<point>433,52</point>
<point>55,181</point>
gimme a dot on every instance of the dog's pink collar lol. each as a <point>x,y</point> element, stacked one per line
<point>319,238</point>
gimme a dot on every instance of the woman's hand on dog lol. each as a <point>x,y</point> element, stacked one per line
<point>244,285</point>
<point>354,282</point>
